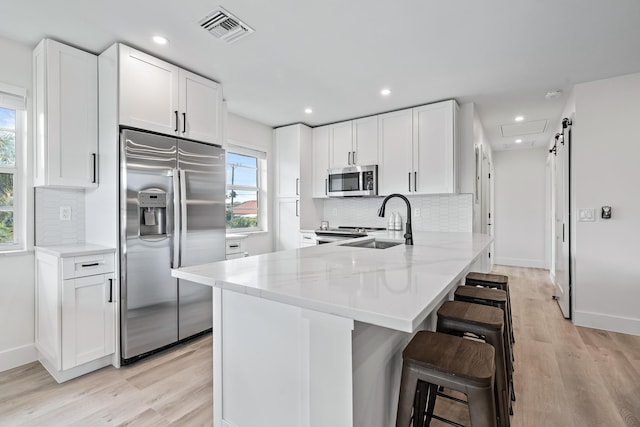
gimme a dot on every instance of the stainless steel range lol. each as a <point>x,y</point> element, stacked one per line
<point>343,233</point>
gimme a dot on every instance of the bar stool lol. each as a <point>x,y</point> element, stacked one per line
<point>496,298</point>
<point>458,318</point>
<point>433,359</point>
<point>497,281</point>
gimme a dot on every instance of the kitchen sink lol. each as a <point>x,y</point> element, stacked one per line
<point>372,244</point>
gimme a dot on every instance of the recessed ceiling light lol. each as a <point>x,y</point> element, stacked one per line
<point>519,118</point>
<point>160,40</point>
<point>518,141</point>
<point>385,92</point>
<point>308,110</point>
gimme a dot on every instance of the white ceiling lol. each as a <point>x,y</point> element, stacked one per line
<point>335,55</point>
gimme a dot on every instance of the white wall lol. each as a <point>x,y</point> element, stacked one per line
<point>16,271</point>
<point>251,134</point>
<point>606,150</point>
<point>520,207</point>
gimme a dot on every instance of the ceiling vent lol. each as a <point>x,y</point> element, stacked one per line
<point>525,128</point>
<point>224,26</point>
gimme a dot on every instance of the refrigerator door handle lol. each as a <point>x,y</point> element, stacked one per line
<point>175,262</point>
<point>183,211</point>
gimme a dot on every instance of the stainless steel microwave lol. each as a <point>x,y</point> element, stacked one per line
<point>353,181</point>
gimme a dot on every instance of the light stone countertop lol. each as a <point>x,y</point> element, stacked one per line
<point>74,249</point>
<point>395,288</point>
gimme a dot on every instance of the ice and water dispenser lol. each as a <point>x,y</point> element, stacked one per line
<point>153,213</point>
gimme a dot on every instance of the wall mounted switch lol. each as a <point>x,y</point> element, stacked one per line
<point>606,212</point>
<point>586,215</point>
<point>334,212</point>
<point>417,211</point>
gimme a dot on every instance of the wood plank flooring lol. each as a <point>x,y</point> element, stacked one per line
<point>565,376</point>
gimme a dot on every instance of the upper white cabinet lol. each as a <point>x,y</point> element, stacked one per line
<point>434,146</point>
<point>158,96</point>
<point>353,143</point>
<point>396,151</point>
<point>418,150</point>
<point>288,161</point>
<point>365,141</point>
<point>320,160</point>
<point>66,116</point>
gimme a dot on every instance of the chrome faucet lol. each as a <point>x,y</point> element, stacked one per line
<point>408,235</point>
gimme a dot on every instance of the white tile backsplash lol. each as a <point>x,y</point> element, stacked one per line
<point>437,212</point>
<point>50,230</point>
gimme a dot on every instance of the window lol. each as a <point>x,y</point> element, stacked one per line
<point>11,142</point>
<point>243,197</point>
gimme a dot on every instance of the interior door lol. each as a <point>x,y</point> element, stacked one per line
<point>562,218</point>
<point>487,203</point>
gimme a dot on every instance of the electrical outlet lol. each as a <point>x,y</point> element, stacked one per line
<point>65,213</point>
<point>417,211</point>
<point>334,211</point>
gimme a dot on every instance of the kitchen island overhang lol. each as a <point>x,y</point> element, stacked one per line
<point>313,336</point>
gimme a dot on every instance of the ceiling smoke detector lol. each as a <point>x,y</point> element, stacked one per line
<point>552,94</point>
<point>225,26</point>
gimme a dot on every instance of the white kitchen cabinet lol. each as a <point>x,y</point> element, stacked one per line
<point>365,141</point>
<point>320,160</point>
<point>236,246</point>
<point>434,148</point>
<point>76,294</point>
<point>288,161</point>
<point>340,144</point>
<point>161,97</point>
<point>353,143</point>
<point>65,82</point>
<point>396,140</point>
<point>418,150</point>
<point>287,234</point>
<point>294,175</point>
<point>308,238</point>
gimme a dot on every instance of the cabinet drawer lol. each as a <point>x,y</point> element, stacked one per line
<point>234,246</point>
<point>87,265</point>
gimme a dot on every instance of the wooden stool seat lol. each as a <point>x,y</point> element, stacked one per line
<point>497,296</point>
<point>497,281</point>
<point>449,361</point>
<point>458,318</point>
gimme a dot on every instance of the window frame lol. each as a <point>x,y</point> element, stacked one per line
<point>260,157</point>
<point>13,98</point>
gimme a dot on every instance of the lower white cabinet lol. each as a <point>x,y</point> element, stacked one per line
<point>307,238</point>
<point>76,294</point>
<point>236,246</point>
<point>287,224</point>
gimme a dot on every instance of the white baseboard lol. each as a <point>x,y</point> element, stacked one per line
<point>625,325</point>
<point>14,357</point>
<point>521,262</point>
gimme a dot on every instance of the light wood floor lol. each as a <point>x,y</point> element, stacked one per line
<point>565,376</point>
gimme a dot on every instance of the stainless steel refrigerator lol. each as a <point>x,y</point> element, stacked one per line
<point>171,215</point>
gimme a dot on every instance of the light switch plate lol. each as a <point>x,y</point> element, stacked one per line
<point>586,215</point>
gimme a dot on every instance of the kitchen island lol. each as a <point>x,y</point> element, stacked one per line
<point>313,336</point>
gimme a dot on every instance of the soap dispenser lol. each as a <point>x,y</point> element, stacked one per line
<point>397,222</point>
<point>391,222</point>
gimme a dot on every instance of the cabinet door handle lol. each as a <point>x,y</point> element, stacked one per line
<point>184,122</point>
<point>94,157</point>
<point>353,157</point>
<point>326,186</point>
<point>297,186</point>
<point>349,158</point>
<point>234,246</point>
<point>110,290</point>
<point>176,112</point>
<point>297,207</point>
<point>409,181</point>
<point>415,181</point>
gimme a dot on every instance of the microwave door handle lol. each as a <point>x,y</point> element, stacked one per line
<point>326,186</point>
